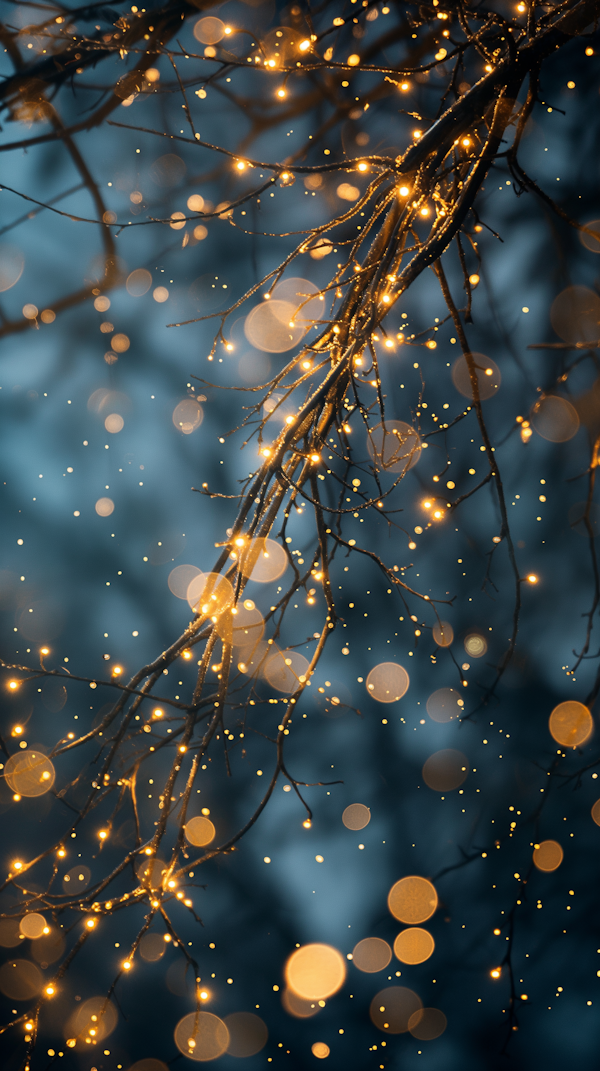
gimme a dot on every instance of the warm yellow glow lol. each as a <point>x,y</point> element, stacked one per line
<point>18,729</point>
<point>61,853</point>
<point>571,723</point>
<point>304,45</point>
<point>45,650</point>
<point>496,972</point>
<point>404,86</point>
<point>363,166</point>
<point>187,655</point>
<point>103,834</point>
<point>425,211</point>
<point>157,713</point>
<point>427,504</point>
<point>315,458</point>
<point>117,670</point>
<point>417,134</point>
<point>281,93</point>
<point>90,923</point>
<point>18,865</point>
<point>241,165</point>
<point>474,279</point>
<point>50,991</point>
<point>412,900</point>
<point>13,684</point>
<point>315,971</point>
<point>532,578</point>
<point>182,748</point>
<point>126,965</point>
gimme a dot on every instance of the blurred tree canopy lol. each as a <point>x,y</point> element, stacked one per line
<point>300,316</point>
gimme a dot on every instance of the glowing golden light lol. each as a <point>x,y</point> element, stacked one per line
<point>32,925</point>
<point>548,855</point>
<point>595,812</point>
<point>372,954</point>
<point>414,945</point>
<point>532,578</point>
<point>13,684</point>
<point>315,971</point>
<point>117,670</point>
<point>90,923</point>
<point>49,990</point>
<point>475,645</point>
<point>363,166</point>
<point>412,900</point>
<point>320,1050</point>
<point>571,723</point>
<point>199,831</point>
<point>304,46</point>
<point>387,682</point>
<point>241,166</point>
<point>353,60</point>
<point>281,93</point>
<point>126,965</point>
<point>496,972</point>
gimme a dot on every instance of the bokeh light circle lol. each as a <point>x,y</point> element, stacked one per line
<point>443,633</point>
<point>152,947</point>
<point>395,448</point>
<point>356,816</point>
<point>199,831</point>
<point>387,682</point>
<point>201,1036</point>
<point>33,925</point>
<point>188,415</point>
<point>372,954</point>
<point>209,30</point>
<point>29,773</point>
<point>475,645</point>
<point>267,326</point>
<point>427,1024</point>
<point>414,945</point>
<point>571,723</point>
<point>488,377</point>
<point>575,314</point>
<point>20,979</point>
<point>180,579</point>
<point>104,507</point>
<point>262,560</point>
<point>138,282</point>
<point>412,900</point>
<point>315,971</point>
<point>555,419</point>
<point>595,812</point>
<point>548,855</point>
<point>209,594</point>
<point>320,1050</point>
<point>97,1014</point>
<point>391,1009</point>
<point>444,705</point>
<point>12,263</point>
<point>445,770</point>
<point>286,670</point>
